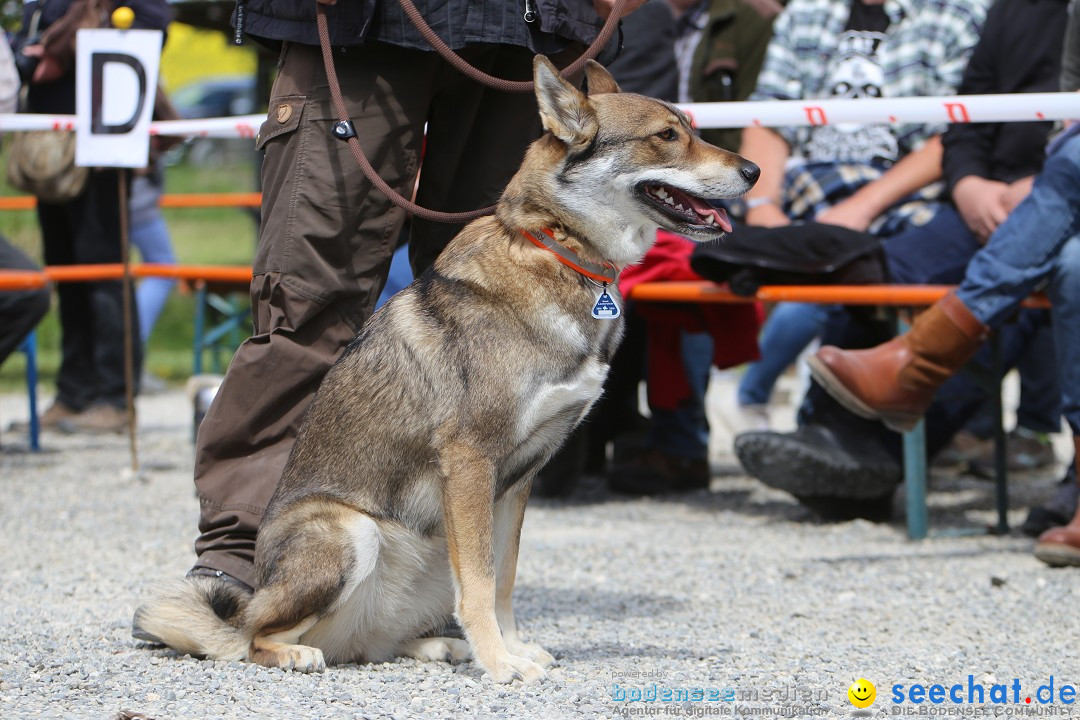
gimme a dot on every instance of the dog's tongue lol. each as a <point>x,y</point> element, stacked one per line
<point>704,209</point>
<point>718,214</point>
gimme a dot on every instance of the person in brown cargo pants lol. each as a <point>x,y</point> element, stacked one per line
<point>327,237</point>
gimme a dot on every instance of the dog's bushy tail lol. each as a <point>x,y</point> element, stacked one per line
<point>199,616</point>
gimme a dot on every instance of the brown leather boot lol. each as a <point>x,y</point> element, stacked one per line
<point>895,382</point>
<point>1059,547</point>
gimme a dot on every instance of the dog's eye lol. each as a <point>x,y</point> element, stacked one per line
<point>668,134</point>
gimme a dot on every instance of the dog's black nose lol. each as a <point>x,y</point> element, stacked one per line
<point>750,171</point>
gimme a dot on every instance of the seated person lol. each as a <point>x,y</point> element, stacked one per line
<point>875,178</point>
<point>835,462</point>
<point>1038,246</point>
<point>20,310</point>
<point>718,49</point>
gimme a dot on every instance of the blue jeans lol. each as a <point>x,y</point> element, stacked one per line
<point>1038,246</point>
<point>151,238</point>
<point>399,276</point>
<point>938,253</point>
<point>788,330</point>
<point>941,251</point>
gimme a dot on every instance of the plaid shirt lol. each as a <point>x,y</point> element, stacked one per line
<point>928,48</point>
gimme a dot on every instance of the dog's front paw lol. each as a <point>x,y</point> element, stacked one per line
<point>512,667</point>
<point>533,652</point>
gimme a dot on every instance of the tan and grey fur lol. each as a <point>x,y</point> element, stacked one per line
<point>403,498</point>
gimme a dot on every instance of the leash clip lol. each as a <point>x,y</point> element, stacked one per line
<point>343,130</point>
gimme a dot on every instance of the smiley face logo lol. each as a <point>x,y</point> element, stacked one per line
<point>862,693</point>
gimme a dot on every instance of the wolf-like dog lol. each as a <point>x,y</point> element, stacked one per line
<point>402,501</point>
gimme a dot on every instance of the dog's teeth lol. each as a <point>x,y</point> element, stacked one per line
<point>669,200</point>
<point>679,207</point>
<point>661,193</point>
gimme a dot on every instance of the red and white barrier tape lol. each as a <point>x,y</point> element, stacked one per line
<point>776,113</point>
<point>1025,107</point>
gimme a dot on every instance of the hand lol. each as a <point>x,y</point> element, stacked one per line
<point>981,203</point>
<point>604,7</point>
<point>849,213</point>
<point>48,69</point>
<point>767,215</point>
<point>1018,190</point>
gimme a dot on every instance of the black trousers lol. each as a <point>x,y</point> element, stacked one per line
<point>87,230</point>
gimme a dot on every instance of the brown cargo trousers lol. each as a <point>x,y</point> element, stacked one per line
<point>326,242</point>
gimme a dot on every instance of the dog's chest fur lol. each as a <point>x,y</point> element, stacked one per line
<point>495,347</point>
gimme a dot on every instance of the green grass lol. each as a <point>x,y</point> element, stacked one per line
<point>211,236</point>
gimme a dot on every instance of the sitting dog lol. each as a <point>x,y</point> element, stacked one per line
<point>403,498</point>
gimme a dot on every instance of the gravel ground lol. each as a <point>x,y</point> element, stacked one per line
<point>737,591</point>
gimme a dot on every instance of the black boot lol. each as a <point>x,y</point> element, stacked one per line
<point>1058,510</point>
<point>836,464</point>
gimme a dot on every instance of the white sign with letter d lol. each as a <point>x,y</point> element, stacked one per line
<point>116,74</point>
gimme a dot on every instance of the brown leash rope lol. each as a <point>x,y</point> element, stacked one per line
<point>344,129</point>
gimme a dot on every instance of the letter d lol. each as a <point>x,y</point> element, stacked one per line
<point>98,61</point>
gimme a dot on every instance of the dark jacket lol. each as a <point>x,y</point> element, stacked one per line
<point>1070,63</point>
<point>59,97</point>
<point>1019,51</point>
<point>729,57</point>
<point>647,64</point>
<point>457,22</point>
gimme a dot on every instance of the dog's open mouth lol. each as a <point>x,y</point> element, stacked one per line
<point>684,207</point>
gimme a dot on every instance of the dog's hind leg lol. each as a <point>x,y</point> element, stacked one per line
<point>509,515</point>
<point>311,558</point>
<point>468,512</point>
<point>431,649</point>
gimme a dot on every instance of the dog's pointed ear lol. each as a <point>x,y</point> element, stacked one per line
<point>598,80</point>
<point>564,110</point>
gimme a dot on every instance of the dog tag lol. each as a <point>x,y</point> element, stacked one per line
<point>605,308</point>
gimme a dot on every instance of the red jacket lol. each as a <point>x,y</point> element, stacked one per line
<point>734,327</point>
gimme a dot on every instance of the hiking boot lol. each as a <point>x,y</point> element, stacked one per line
<point>817,461</point>
<point>98,419</point>
<point>50,419</point>
<point>895,382</point>
<point>1024,450</point>
<point>654,473</point>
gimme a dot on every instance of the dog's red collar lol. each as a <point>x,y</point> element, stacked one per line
<point>606,273</point>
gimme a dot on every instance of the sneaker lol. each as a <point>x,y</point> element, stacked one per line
<point>151,384</point>
<point>50,419</point>
<point>654,473</point>
<point>1024,450</point>
<point>963,448</point>
<point>749,418</point>
<point>1058,510</point>
<point>98,419</point>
